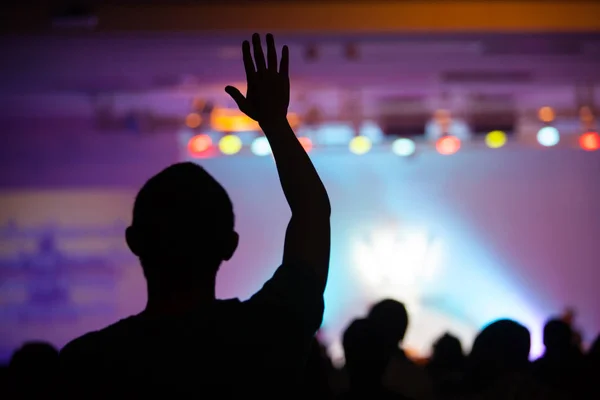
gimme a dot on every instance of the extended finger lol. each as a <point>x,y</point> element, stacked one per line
<point>271,53</point>
<point>285,62</point>
<point>259,57</point>
<point>236,95</point>
<point>248,63</point>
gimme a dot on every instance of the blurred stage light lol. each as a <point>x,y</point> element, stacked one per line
<point>373,131</point>
<point>403,147</point>
<point>548,136</point>
<point>199,144</point>
<point>447,145</point>
<point>360,145</point>
<point>260,146</point>
<point>306,143</point>
<point>230,144</point>
<point>546,114</point>
<point>586,116</point>
<point>193,120</point>
<point>495,139</point>
<point>329,134</point>
<point>590,141</point>
<point>378,258</point>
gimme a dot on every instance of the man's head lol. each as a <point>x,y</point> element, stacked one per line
<point>366,355</point>
<point>183,225</point>
<point>558,335</point>
<point>391,318</point>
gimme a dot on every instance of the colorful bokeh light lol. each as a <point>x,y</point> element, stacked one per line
<point>590,141</point>
<point>260,146</point>
<point>193,120</point>
<point>495,139</point>
<point>230,144</point>
<point>360,145</point>
<point>403,147</point>
<point>546,114</point>
<point>548,136</point>
<point>447,145</point>
<point>199,144</point>
<point>306,143</point>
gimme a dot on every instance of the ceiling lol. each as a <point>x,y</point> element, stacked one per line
<point>61,74</point>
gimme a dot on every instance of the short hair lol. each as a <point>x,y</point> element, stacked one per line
<point>392,318</point>
<point>180,206</point>
<point>504,342</point>
<point>557,334</point>
<point>365,354</point>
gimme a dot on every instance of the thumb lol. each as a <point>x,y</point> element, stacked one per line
<point>236,95</point>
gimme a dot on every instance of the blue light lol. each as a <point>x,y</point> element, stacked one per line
<point>403,147</point>
<point>373,131</point>
<point>548,136</point>
<point>260,146</point>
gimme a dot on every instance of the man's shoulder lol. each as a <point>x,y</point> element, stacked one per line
<point>92,342</point>
<point>80,343</point>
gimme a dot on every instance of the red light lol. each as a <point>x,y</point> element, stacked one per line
<point>306,143</point>
<point>590,141</point>
<point>199,144</point>
<point>447,145</point>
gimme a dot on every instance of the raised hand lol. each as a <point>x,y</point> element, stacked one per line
<point>268,90</point>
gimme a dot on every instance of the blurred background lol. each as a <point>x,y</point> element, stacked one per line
<point>457,140</point>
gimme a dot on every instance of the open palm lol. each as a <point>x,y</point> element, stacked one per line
<point>268,89</point>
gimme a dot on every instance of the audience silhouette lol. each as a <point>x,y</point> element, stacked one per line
<point>390,319</point>
<point>446,366</point>
<point>499,359</point>
<point>185,340</point>
<point>319,369</point>
<point>367,357</point>
<point>561,366</point>
<point>32,371</point>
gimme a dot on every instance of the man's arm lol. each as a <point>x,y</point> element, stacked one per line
<point>307,240</point>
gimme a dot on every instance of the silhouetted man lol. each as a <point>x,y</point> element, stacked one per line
<point>366,361</point>
<point>32,371</point>
<point>562,365</point>
<point>499,360</point>
<point>390,318</point>
<point>186,342</point>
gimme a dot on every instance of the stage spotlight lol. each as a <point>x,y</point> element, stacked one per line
<point>548,136</point>
<point>546,114</point>
<point>447,145</point>
<point>199,144</point>
<point>193,120</point>
<point>590,141</point>
<point>230,144</point>
<point>371,130</point>
<point>260,146</point>
<point>495,139</point>
<point>306,143</point>
<point>360,145</point>
<point>403,147</point>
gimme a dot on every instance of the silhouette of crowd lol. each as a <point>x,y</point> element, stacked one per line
<point>186,343</point>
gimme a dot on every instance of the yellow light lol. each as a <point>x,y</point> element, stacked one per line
<point>495,139</point>
<point>360,145</point>
<point>231,120</point>
<point>230,144</point>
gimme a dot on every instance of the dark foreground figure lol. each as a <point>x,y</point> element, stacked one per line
<point>185,342</point>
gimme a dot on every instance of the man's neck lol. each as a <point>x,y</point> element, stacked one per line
<point>178,300</point>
